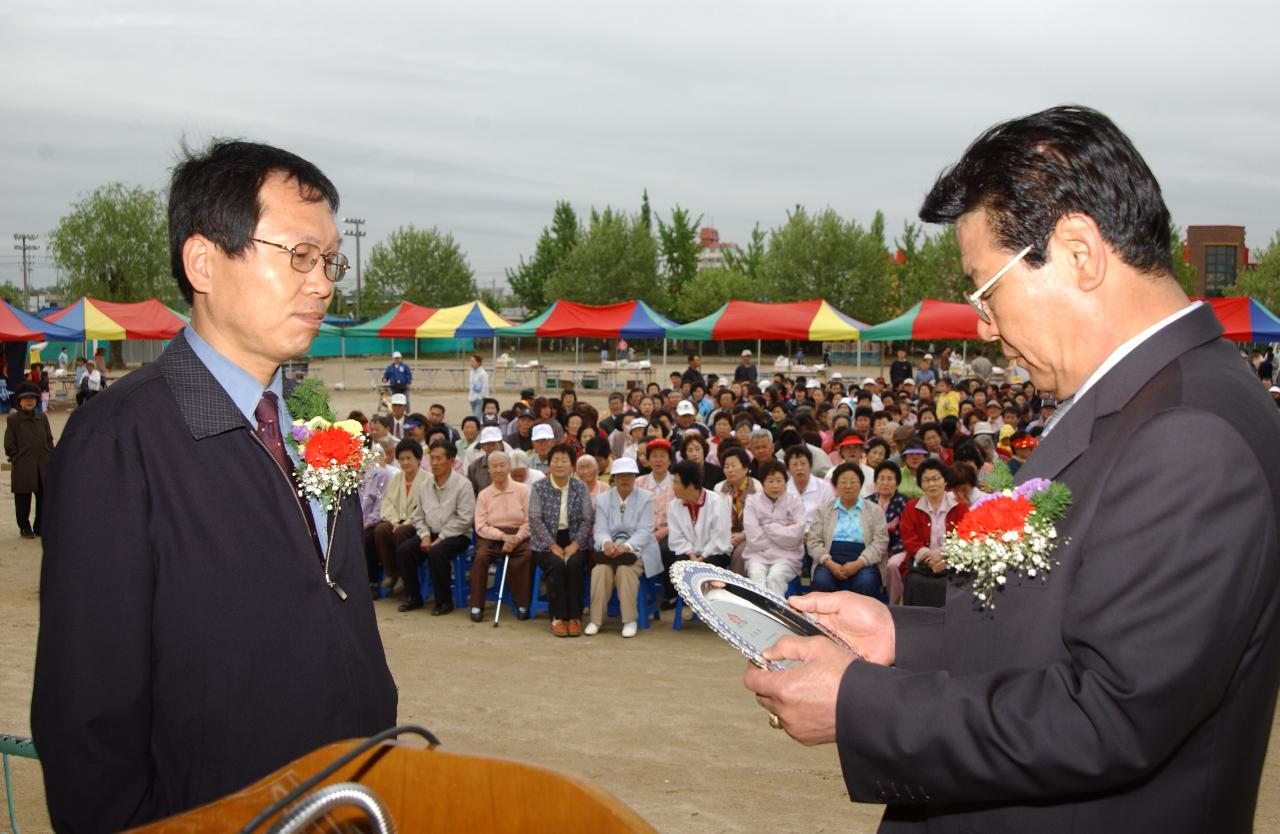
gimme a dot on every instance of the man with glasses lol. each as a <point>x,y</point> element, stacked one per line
<point>1133,686</point>
<point>202,625</point>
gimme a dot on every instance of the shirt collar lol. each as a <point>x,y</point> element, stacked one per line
<point>244,390</point>
<point>857,506</point>
<point>1129,347</point>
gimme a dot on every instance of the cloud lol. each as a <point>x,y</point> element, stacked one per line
<point>475,118</point>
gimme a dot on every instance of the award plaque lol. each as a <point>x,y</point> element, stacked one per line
<point>749,617</point>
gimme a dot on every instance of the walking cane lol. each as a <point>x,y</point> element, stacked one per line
<point>502,585</point>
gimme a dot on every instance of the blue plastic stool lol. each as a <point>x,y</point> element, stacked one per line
<point>646,601</point>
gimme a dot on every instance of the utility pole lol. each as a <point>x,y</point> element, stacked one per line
<point>356,233</point>
<point>25,244</point>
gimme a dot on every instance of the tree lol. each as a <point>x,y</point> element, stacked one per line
<point>616,260</point>
<point>11,293</point>
<point>528,280</point>
<point>824,256</point>
<point>1262,280</point>
<point>931,269</point>
<point>114,245</point>
<point>646,216</point>
<point>423,266</point>
<point>1183,270</point>
<point>748,262</point>
<point>679,248</point>
<point>709,289</point>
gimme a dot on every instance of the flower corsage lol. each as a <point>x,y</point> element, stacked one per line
<point>331,458</point>
<point>1010,529</point>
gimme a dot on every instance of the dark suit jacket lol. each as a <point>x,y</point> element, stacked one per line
<point>1134,689</point>
<point>188,642</point>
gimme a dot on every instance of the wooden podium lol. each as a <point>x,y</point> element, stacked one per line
<point>424,790</point>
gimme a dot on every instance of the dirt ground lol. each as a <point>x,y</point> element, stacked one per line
<point>687,747</point>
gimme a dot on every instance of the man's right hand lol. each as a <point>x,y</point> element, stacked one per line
<point>863,622</point>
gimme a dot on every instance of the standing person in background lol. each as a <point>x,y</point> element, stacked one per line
<point>477,385</point>
<point>62,360</point>
<point>746,371</point>
<point>398,377</point>
<point>900,371</point>
<point>28,445</point>
<point>693,374</point>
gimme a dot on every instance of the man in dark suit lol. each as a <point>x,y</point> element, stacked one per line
<point>196,630</point>
<point>1133,687</point>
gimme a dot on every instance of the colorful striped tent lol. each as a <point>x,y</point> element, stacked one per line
<point>17,326</point>
<point>409,321</point>
<point>627,320</point>
<point>90,319</point>
<point>813,321</point>
<point>1245,320</point>
<point>927,320</point>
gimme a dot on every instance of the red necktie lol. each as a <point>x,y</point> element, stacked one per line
<point>268,415</point>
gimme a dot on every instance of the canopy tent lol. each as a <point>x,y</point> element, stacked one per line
<point>472,320</point>
<point>627,320</point>
<point>90,319</point>
<point>1245,320</point>
<point>17,326</point>
<point>813,321</point>
<point>927,320</point>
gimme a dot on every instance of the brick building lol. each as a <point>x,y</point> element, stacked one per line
<point>1218,253</point>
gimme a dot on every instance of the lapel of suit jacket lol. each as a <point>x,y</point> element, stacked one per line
<point>1072,435</point>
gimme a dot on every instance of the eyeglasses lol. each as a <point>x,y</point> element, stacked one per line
<point>977,298</point>
<point>305,256</point>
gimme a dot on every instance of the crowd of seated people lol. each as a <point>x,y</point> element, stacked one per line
<point>789,481</point>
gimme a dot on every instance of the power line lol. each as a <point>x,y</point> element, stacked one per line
<point>357,233</point>
<point>25,244</point>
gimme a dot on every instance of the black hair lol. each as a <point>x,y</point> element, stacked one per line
<point>440,406</point>
<point>472,419</point>
<point>799,450</point>
<point>769,467</point>
<point>688,473</point>
<point>381,420</point>
<point>847,467</point>
<point>864,411</point>
<point>450,450</point>
<point>598,447</point>
<point>891,467</point>
<point>881,442</point>
<point>1028,173</point>
<point>563,449</point>
<point>409,445</point>
<point>970,452</point>
<point>488,400</point>
<point>735,452</point>
<point>215,193</point>
<point>420,417</point>
<point>694,437</point>
<point>935,464</point>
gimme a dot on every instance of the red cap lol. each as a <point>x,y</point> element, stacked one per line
<point>852,440</point>
<point>658,443</point>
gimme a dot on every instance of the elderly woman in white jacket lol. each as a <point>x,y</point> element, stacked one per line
<point>774,523</point>
<point>624,548</point>
<point>697,519</point>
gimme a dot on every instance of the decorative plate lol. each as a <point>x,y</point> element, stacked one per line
<point>749,617</point>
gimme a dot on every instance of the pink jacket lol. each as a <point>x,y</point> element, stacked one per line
<point>774,529</point>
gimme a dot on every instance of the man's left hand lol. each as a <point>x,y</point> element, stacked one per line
<point>804,696</point>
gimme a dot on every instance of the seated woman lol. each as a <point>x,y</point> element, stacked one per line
<point>774,524</point>
<point>925,524</point>
<point>372,489</point>
<point>737,486</point>
<point>502,530</point>
<point>588,471</point>
<point>561,518</point>
<point>399,503</point>
<point>848,538</point>
<point>624,548</point>
<point>694,447</point>
<point>658,481</point>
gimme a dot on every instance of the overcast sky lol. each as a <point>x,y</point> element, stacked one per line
<point>476,117</point>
